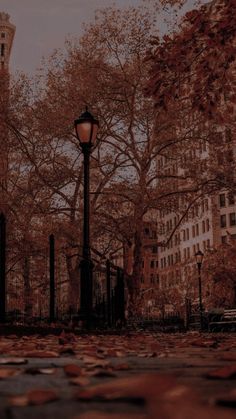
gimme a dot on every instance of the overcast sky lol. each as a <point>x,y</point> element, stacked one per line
<point>42,25</point>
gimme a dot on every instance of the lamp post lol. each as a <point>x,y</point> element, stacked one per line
<point>86,128</point>
<point>199,258</point>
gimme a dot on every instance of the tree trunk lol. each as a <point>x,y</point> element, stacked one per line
<point>134,281</point>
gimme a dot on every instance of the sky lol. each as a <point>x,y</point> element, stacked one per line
<point>43,25</point>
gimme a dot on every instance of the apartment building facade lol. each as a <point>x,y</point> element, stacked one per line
<point>210,221</point>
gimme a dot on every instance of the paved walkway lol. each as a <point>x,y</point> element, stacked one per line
<point>131,376</point>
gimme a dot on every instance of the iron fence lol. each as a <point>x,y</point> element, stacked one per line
<point>36,287</point>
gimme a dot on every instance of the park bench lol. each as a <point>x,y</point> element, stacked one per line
<point>226,322</point>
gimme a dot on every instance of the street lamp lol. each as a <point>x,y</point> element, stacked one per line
<point>199,258</point>
<point>86,128</point>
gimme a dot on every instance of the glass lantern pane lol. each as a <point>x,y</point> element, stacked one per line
<point>94,136</point>
<point>84,131</point>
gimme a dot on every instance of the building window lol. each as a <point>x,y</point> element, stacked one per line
<point>222,200</point>
<point>193,231</point>
<point>152,264</point>
<point>154,249</point>
<point>184,235</point>
<point>232,219</point>
<point>2,50</point>
<point>152,279</point>
<point>223,239</point>
<point>202,204</point>
<point>228,135</point>
<point>203,226</point>
<point>3,35</point>
<point>231,199</point>
<point>207,225</point>
<point>206,204</point>
<point>223,221</point>
<point>208,243</point>
<point>153,234</point>
<point>187,234</point>
<point>197,230</point>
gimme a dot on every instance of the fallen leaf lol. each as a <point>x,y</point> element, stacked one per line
<point>41,354</point>
<point>121,367</point>
<point>34,397</point>
<point>13,361</point>
<point>223,373</point>
<point>20,401</point>
<point>8,372</point>
<point>72,370</point>
<point>66,338</point>
<point>35,371</point>
<point>41,396</point>
<point>137,388</point>
<point>80,381</point>
<point>205,343</point>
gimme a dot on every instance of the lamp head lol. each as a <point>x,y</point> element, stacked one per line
<point>86,127</point>
<point>199,257</point>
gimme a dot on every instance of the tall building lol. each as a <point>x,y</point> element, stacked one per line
<point>7,32</point>
<point>210,221</point>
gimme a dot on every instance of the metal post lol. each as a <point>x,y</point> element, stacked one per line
<point>2,268</point>
<point>200,294</point>
<point>108,278</point>
<point>52,276</point>
<point>120,298</point>
<point>86,265</point>
<point>113,307</point>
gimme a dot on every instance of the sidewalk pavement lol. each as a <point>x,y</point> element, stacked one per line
<point>127,376</point>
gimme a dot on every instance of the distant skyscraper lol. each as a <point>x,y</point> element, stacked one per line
<point>7,32</point>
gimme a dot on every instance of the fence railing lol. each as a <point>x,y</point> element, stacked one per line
<point>37,289</point>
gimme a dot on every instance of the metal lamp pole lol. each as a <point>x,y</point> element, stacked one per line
<point>86,130</point>
<point>199,257</point>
